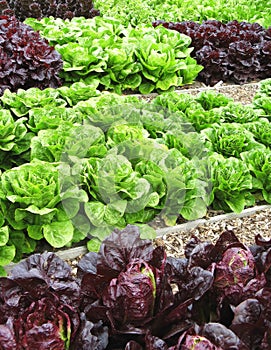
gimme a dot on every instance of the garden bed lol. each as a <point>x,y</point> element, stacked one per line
<point>79,162</point>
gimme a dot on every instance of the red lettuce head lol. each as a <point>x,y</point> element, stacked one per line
<point>197,342</point>
<point>136,290</point>
<point>39,308</point>
<point>236,267</point>
<point>26,59</point>
<point>237,273</point>
<point>124,284</point>
<point>131,296</point>
<point>236,276</point>
<point>45,325</point>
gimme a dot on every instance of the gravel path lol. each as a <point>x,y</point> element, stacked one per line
<point>240,93</point>
<point>245,228</point>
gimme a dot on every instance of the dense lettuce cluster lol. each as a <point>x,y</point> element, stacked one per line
<point>131,296</point>
<point>142,59</point>
<point>145,11</point>
<point>85,169</point>
<point>26,59</point>
<point>235,51</point>
<point>56,8</point>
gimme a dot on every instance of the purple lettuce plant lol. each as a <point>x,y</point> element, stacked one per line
<point>26,59</point>
<point>129,285</point>
<point>131,296</point>
<point>39,308</point>
<point>233,51</point>
<point>252,320</point>
<point>236,275</point>
<point>56,8</point>
<point>239,297</point>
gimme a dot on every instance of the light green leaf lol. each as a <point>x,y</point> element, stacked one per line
<point>167,82</point>
<point>81,223</point>
<point>7,254</point>
<point>146,231</point>
<point>71,207</point>
<point>236,204</point>
<point>58,234</point>
<point>94,244</point>
<point>35,232</point>
<point>4,235</point>
<point>146,88</point>
<point>95,212</point>
<point>101,232</point>
<point>43,211</point>
<point>22,243</point>
<point>194,209</point>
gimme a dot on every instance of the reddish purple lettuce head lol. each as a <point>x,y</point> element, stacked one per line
<point>131,296</point>
<point>45,325</point>
<point>135,290</point>
<point>197,342</point>
<point>39,308</point>
<point>236,267</point>
<point>26,59</point>
<point>236,276</point>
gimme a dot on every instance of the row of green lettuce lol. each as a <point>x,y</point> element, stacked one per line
<point>135,12</point>
<point>77,163</point>
<point>104,53</point>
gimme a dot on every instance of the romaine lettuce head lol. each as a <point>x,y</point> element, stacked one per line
<point>131,296</point>
<point>48,145</point>
<point>50,117</point>
<point>231,139</point>
<point>258,161</point>
<point>236,267</point>
<point>238,113</point>
<point>38,304</point>
<point>33,202</point>
<point>127,279</point>
<point>11,131</point>
<point>236,276</point>
<point>121,133</point>
<point>33,183</point>
<point>232,183</point>
<point>128,285</point>
<point>44,326</point>
<point>14,140</point>
<point>261,129</point>
<point>22,101</point>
